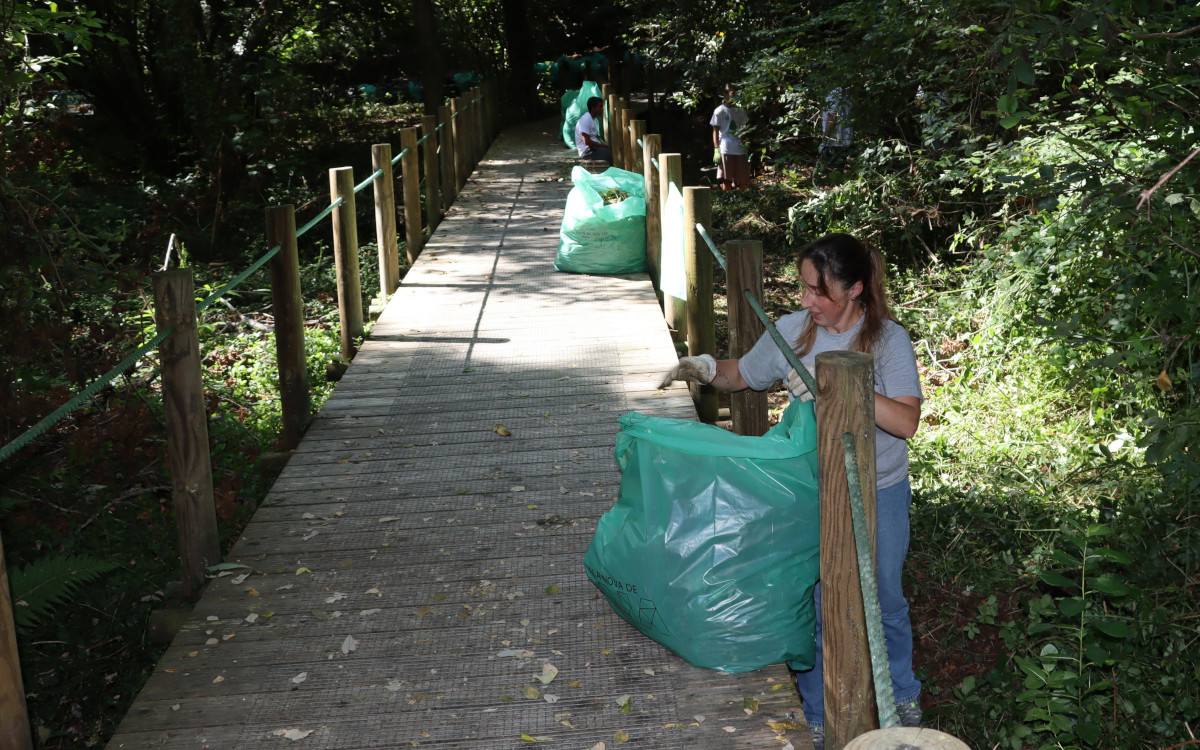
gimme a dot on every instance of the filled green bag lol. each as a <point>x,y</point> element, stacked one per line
<point>712,548</point>
<point>603,237</point>
<point>573,103</point>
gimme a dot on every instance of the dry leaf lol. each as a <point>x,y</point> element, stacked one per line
<point>529,738</point>
<point>299,571</point>
<point>366,612</point>
<point>300,678</point>
<point>389,519</point>
<point>553,588</point>
<point>292,734</point>
<point>250,618</point>
<point>550,698</point>
<point>549,672</point>
<point>621,736</point>
<point>530,692</point>
<point>218,678</point>
<point>626,703</point>
<point>750,704</point>
<point>239,579</point>
<point>1163,381</point>
<point>501,430</point>
<point>729,729</point>
<point>394,685</point>
<point>350,644</point>
<point>597,746</point>
<point>337,596</point>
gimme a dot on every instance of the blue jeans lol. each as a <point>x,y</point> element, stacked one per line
<point>597,153</point>
<point>891,547</point>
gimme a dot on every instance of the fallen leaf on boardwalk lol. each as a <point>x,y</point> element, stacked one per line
<point>424,610</point>
<point>649,671</point>
<point>551,631</point>
<point>300,678</point>
<point>394,685</point>
<point>366,612</point>
<point>520,653</point>
<point>252,592</point>
<point>227,636</point>
<point>306,537</point>
<point>374,591</point>
<point>678,725</point>
<point>439,596</point>
<point>350,644</point>
<point>525,623</point>
<point>597,746</point>
<point>501,430</point>
<point>218,679</point>
<point>529,738</point>
<point>729,729</point>
<point>605,651</point>
<point>337,596</point>
<point>292,734</point>
<point>530,692</point>
<point>300,571</point>
<point>193,654</point>
<point>621,736</point>
<point>750,703</point>
<point>549,672</point>
<point>553,588</point>
<point>550,698</point>
<point>575,683</point>
<point>783,726</point>
<point>250,618</point>
<point>788,746</point>
<point>625,702</point>
<point>211,642</point>
<point>389,519</point>
<point>780,686</point>
<point>285,587</point>
<point>176,708</point>
<point>699,718</point>
<point>237,580</point>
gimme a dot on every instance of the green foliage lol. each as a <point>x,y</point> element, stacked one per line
<point>40,588</point>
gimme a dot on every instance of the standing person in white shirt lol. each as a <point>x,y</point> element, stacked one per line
<point>587,133</point>
<point>733,168</point>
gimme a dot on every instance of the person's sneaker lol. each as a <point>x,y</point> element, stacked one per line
<point>909,713</point>
<point>818,735</point>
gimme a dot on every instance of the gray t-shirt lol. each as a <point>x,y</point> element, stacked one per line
<point>895,375</point>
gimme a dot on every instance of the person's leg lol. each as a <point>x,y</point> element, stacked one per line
<point>891,548</point>
<point>603,153</point>
<point>739,171</point>
<point>811,683</point>
<point>723,171</point>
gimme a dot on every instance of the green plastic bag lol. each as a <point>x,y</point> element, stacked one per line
<point>712,548</point>
<point>600,237</point>
<point>574,103</point>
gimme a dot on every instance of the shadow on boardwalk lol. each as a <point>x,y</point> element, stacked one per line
<point>414,568</point>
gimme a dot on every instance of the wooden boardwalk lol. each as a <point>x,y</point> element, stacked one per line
<point>420,558</point>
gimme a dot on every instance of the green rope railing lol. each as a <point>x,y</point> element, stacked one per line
<point>369,180</point>
<point>238,279</point>
<point>712,246</point>
<point>91,390</point>
<point>885,699</point>
<point>399,156</point>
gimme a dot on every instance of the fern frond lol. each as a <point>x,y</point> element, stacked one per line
<point>40,586</point>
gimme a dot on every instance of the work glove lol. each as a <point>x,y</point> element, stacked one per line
<point>701,369</point>
<point>796,385</point>
<point>717,155</point>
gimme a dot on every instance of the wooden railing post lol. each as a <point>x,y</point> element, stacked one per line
<point>743,259</point>
<point>345,255</point>
<point>650,166</point>
<point>433,193</point>
<point>674,309</point>
<point>633,158</point>
<point>477,122</point>
<point>288,310</point>
<point>637,132</point>
<point>458,126</point>
<point>410,175</point>
<point>698,261</point>
<point>446,146</point>
<point>187,425</point>
<point>617,142</point>
<point>845,403</point>
<point>606,93</point>
<point>385,219</point>
<point>14,714</point>
<point>289,325</point>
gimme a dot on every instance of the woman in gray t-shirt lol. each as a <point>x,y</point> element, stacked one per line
<point>845,308</point>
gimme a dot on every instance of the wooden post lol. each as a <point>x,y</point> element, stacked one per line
<point>477,120</point>
<point>674,309</point>
<point>446,153</point>
<point>743,258</point>
<point>345,255</point>
<point>433,193</point>
<point>385,219</point>
<point>845,403</point>
<point>458,123</point>
<point>606,93</point>
<point>289,325</point>
<point>610,123</point>
<point>650,155</point>
<point>637,133</point>
<point>187,425</point>
<point>14,714</point>
<point>617,143</point>
<point>698,260</point>
<point>633,152</point>
<point>410,175</point>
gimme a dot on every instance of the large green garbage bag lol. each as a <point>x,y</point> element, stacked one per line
<point>603,238</point>
<point>712,546</point>
<point>574,103</point>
